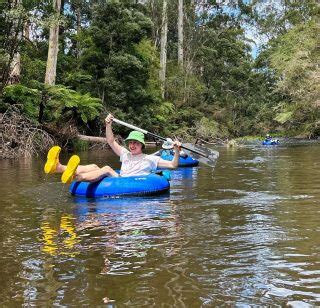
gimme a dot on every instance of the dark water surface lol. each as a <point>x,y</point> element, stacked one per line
<point>246,234</point>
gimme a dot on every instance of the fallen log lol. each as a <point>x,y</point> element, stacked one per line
<point>91,138</point>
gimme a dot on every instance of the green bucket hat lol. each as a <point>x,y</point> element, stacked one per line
<point>137,136</point>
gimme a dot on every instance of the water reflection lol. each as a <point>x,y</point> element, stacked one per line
<point>62,239</point>
<point>127,227</point>
<point>246,234</point>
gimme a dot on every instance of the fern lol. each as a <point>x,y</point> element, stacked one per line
<point>63,104</point>
<point>84,106</point>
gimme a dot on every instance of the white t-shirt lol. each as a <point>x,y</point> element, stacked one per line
<point>141,164</point>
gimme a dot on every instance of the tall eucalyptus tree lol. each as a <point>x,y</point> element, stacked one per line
<point>180,32</point>
<point>11,21</point>
<point>15,65</point>
<point>53,48</point>
<point>163,48</point>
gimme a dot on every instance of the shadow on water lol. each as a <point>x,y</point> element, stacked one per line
<point>245,234</point>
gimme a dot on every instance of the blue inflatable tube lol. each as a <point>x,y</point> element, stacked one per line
<point>145,185</point>
<point>187,161</point>
<point>270,142</point>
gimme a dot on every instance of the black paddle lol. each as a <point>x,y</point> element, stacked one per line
<point>203,154</point>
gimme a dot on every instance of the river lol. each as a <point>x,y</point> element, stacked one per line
<point>245,233</point>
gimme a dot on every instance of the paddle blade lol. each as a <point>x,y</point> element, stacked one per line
<point>202,154</point>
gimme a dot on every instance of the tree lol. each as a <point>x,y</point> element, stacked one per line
<point>163,48</point>
<point>294,58</point>
<point>15,65</point>
<point>180,33</point>
<point>121,58</point>
<point>290,56</point>
<point>11,20</point>
<point>53,49</point>
<point>275,18</point>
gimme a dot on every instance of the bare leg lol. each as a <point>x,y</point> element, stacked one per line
<point>96,175</point>
<point>89,173</point>
<point>81,168</point>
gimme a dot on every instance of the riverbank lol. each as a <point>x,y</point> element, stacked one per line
<point>257,140</point>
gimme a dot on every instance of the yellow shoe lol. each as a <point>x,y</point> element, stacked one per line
<point>68,174</point>
<point>52,159</point>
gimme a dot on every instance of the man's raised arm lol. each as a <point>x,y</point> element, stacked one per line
<point>115,146</point>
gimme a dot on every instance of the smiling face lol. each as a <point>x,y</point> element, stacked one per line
<point>135,147</point>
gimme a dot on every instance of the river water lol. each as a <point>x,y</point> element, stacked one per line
<point>247,233</point>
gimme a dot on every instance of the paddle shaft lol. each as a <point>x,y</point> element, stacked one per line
<point>155,136</point>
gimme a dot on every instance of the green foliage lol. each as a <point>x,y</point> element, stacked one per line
<point>300,118</point>
<point>123,62</point>
<point>228,76</point>
<point>275,18</point>
<point>68,104</point>
<point>294,57</point>
<point>80,145</point>
<point>27,99</point>
<point>32,69</point>
<point>209,130</point>
<point>4,59</point>
<point>62,105</point>
<point>77,79</point>
<point>184,89</point>
<point>284,117</point>
<point>113,54</point>
<point>119,71</point>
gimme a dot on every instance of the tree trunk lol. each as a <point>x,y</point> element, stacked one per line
<point>62,28</point>
<point>163,48</point>
<point>180,33</point>
<point>53,49</point>
<point>15,65</point>
<point>26,30</point>
<point>44,99</point>
<point>15,69</point>
<point>78,14</point>
<point>155,28</point>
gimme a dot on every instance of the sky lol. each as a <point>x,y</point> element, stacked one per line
<point>262,7</point>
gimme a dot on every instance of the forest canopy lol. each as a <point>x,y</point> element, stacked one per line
<point>196,69</point>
